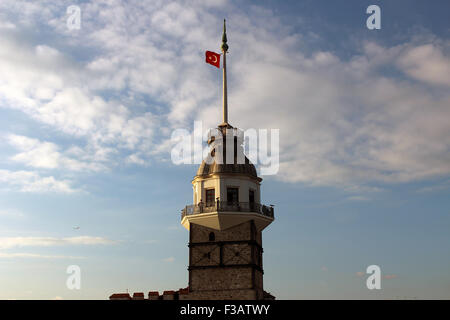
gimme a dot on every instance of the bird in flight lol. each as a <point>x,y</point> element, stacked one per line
<point>76,228</point>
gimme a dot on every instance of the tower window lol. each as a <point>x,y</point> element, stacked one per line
<point>212,236</point>
<point>210,196</point>
<point>232,195</point>
<point>251,199</point>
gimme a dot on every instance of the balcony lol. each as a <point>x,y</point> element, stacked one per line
<point>223,206</point>
<point>222,214</point>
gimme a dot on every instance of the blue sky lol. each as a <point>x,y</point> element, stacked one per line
<point>86,118</point>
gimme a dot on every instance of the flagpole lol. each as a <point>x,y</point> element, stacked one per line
<point>224,51</point>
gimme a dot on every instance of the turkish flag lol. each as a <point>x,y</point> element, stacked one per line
<point>213,58</point>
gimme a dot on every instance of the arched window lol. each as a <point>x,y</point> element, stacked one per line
<point>212,236</point>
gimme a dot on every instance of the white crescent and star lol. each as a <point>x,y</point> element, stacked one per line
<point>215,58</point>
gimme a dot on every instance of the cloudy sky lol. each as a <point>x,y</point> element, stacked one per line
<point>86,117</point>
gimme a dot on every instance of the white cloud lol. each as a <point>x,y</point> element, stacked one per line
<point>46,155</point>
<point>57,91</point>
<point>12,242</point>
<point>29,181</point>
<point>33,255</point>
<point>134,158</point>
<point>169,259</point>
<point>436,187</point>
<point>358,198</point>
<point>14,213</point>
<point>7,25</point>
<point>343,122</point>
<point>426,63</point>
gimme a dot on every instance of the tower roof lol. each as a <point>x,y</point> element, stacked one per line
<point>218,140</point>
<point>246,168</point>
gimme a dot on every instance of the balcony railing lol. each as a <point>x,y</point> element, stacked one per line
<point>224,206</point>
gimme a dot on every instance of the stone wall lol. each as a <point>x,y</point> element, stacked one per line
<point>221,278</point>
<point>227,267</point>
<point>248,294</point>
<point>242,231</point>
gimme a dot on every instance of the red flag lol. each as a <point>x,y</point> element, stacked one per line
<point>213,58</point>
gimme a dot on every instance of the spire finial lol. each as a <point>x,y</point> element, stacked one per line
<point>224,66</point>
<point>224,38</point>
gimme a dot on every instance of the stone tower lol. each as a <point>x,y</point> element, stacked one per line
<point>225,222</point>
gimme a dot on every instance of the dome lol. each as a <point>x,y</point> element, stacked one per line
<point>219,139</point>
<point>246,168</point>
